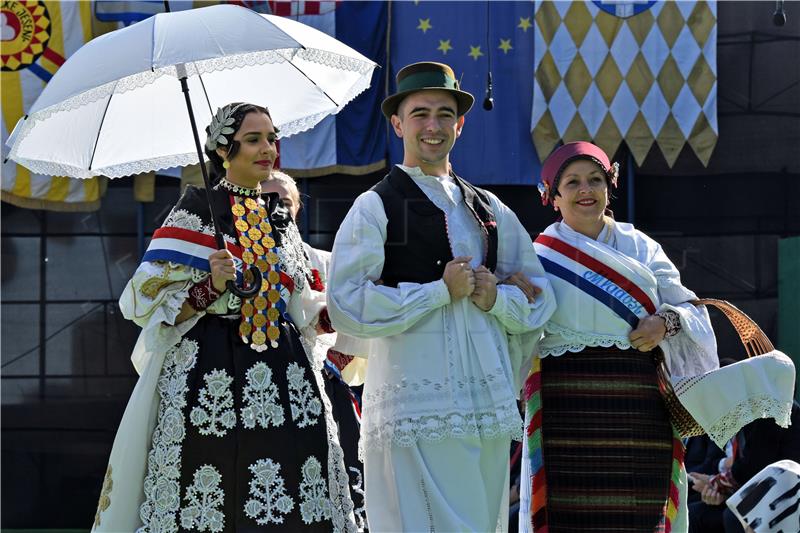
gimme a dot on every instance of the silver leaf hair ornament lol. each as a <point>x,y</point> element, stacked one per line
<point>221,126</point>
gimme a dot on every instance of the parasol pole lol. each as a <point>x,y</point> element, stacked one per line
<point>254,271</point>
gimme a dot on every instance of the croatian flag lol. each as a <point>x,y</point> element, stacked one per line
<point>354,141</point>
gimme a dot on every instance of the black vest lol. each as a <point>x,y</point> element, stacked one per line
<point>417,247</point>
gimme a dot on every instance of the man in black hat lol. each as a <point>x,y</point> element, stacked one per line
<point>414,269</point>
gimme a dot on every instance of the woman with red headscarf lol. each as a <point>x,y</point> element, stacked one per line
<point>601,452</point>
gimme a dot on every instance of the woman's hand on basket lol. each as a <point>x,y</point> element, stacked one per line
<point>650,331</point>
<point>222,269</point>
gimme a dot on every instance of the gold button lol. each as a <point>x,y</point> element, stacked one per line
<point>258,337</point>
<point>241,225</point>
<point>254,234</point>
<point>237,209</point>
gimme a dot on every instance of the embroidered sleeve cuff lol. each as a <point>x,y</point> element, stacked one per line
<point>672,321</point>
<point>202,294</point>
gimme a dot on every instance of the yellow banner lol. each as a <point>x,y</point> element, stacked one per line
<point>37,37</point>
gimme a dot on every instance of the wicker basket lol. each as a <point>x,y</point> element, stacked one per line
<point>755,343</point>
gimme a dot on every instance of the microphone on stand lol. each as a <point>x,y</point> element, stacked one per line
<point>488,101</point>
<point>779,17</point>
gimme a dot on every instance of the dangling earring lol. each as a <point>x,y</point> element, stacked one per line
<point>226,165</point>
<point>555,207</point>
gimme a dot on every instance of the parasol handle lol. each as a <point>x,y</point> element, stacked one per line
<point>255,285</point>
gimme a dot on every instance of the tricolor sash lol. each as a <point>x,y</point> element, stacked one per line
<point>598,290</point>
<point>188,247</point>
<point>192,248</point>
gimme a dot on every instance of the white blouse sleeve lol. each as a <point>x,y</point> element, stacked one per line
<point>356,304</point>
<point>153,299</point>
<point>515,253</point>
<point>693,350</point>
<point>305,305</point>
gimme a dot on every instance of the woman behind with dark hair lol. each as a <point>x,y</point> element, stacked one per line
<point>228,428</point>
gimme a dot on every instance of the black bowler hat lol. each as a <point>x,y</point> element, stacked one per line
<point>426,75</point>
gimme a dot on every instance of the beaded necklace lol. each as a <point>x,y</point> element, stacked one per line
<point>239,190</point>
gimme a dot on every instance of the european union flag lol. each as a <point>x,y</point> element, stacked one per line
<point>495,146</point>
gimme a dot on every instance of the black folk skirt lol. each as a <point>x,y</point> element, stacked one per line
<point>241,442</point>
<point>607,442</point>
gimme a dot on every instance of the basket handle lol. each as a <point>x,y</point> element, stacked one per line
<point>755,341</point>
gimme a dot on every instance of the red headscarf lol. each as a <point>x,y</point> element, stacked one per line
<point>555,164</point>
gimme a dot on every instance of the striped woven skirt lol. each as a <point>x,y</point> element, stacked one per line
<point>607,442</point>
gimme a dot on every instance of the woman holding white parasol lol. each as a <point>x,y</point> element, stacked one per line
<point>243,438</point>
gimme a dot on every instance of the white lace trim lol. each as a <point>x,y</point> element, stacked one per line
<point>747,411</point>
<point>260,398</point>
<point>294,261</point>
<point>202,509</point>
<point>562,340</point>
<point>315,506</point>
<point>153,164</point>
<point>183,219</point>
<point>215,414</point>
<point>305,407</point>
<point>358,488</point>
<point>268,498</point>
<point>434,428</point>
<point>422,397</point>
<point>338,481</point>
<point>161,484</point>
<point>142,79</point>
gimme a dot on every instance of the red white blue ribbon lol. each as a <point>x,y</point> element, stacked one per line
<point>187,247</point>
<point>594,278</point>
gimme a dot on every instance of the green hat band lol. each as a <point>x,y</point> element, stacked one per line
<point>426,79</point>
